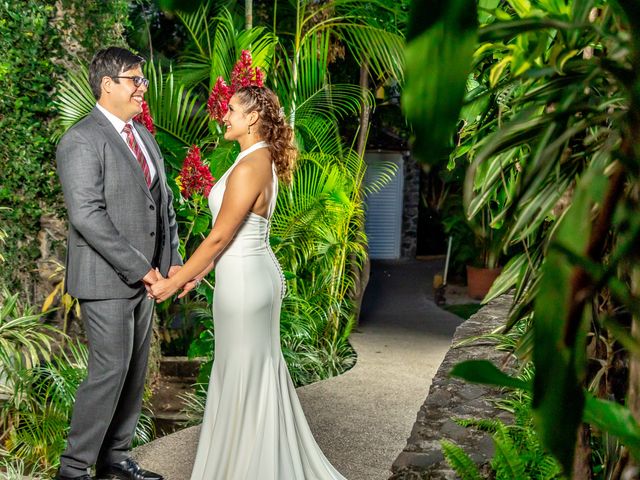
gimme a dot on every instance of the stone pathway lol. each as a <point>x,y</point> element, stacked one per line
<point>362,418</point>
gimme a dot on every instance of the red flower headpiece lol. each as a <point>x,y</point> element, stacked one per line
<point>242,75</point>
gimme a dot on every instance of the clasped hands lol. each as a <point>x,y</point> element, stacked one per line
<point>161,288</point>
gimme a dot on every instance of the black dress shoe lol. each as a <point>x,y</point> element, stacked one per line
<point>59,476</point>
<point>127,469</point>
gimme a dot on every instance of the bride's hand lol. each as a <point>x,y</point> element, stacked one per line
<point>163,288</point>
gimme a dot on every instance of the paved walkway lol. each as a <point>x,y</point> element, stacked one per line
<point>362,418</point>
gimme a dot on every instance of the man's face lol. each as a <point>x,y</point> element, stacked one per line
<point>123,98</point>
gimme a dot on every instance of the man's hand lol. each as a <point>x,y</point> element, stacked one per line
<point>163,288</point>
<point>150,278</point>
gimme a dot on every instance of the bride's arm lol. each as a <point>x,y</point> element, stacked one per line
<point>190,285</point>
<point>243,187</point>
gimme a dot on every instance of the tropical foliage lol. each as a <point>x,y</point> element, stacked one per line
<point>38,40</point>
<point>518,451</point>
<point>549,126</point>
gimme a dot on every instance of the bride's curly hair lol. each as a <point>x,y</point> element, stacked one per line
<point>273,127</point>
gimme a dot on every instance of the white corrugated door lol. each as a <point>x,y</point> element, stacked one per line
<point>384,207</point>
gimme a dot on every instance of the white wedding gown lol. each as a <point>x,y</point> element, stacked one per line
<point>253,427</point>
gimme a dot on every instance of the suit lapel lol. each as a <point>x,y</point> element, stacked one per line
<point>116,141</point>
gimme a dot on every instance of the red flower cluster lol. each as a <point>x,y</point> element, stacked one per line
<point>195,177</point>
<point>218,103</point>
<point>242,75</point>
<point>145,118</point>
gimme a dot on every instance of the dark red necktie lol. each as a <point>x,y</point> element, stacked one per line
<point>131,140</point>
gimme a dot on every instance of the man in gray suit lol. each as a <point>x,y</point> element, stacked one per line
<point>121,227</point>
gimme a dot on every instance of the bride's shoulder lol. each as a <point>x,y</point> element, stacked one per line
<point>255,165</point>
<point>257,161</point>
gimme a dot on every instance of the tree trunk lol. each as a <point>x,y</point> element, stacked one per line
<point>582,458</point>
<point>634,360</point>
<point>366,111</point>
<point>362,275</point>
<point>248,14</point>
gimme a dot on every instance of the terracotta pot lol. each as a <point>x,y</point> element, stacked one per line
<point>479,280</point>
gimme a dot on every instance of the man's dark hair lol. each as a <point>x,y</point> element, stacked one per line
<point>111,62</point>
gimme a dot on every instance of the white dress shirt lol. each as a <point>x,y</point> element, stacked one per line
<point>119,125</point>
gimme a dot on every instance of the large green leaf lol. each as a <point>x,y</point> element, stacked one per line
<point>432,98</point>
<point>485,372</point>
<point>559,349</point>
<point>615,419</point>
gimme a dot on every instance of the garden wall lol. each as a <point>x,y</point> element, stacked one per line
<point>450,398</point>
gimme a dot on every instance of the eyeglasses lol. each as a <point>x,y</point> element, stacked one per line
<point>137,81</point>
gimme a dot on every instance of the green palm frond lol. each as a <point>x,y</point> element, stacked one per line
<point>16,469</point>
<point>302,74</point>
<point>39,438</point>
<point>304,88</point>
<point>194,405</point>
<point>145,429</point>
<point>377,44</point>
<point>316,134</point>
<point>177,111</point>
<point>382,51</point>
<point>311,185</point>
<point>24,340</point>
<point>199,23</point>
<point>74,100</point>
<point>216,44</point>
<point>333,102</point>
<point>380,174</point>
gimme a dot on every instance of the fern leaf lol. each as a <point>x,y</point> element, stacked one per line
<point>507,462</point>
<point>458,459</point>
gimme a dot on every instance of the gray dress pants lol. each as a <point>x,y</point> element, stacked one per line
<point>109,400</point>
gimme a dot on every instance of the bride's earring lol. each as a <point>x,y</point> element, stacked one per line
<point>249,130</point>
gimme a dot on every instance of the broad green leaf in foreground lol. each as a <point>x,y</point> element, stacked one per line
<point>614,418</point>
<point>558,355</point>
<point>485,372</point>
<point>438,60</point>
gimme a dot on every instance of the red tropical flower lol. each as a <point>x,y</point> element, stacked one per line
<point>218,103</point>
<point>259,77</point>
<point>242,75</point>
<point>195,177</point>
<point>145,118</point>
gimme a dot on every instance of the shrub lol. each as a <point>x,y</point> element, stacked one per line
<point>39,40</point>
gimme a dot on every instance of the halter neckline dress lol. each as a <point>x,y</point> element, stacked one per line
<point>253,427</point>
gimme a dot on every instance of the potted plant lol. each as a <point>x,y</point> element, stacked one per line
<point>475,249</point>
<point>482,272</point>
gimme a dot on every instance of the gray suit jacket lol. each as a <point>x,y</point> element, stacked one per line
<point>112,218</point>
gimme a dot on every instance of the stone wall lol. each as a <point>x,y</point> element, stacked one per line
<point>450,398</point>
<point>411,201</point>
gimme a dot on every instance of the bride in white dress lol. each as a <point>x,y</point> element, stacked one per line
<point>253,426</point>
